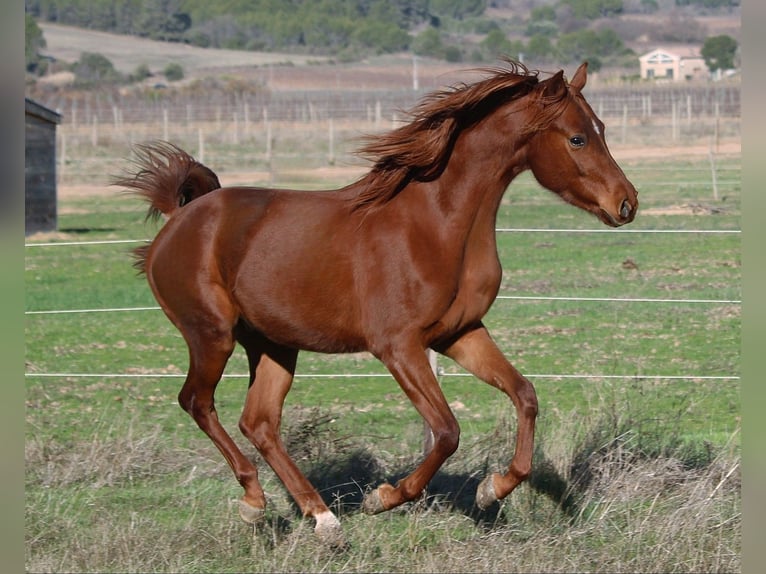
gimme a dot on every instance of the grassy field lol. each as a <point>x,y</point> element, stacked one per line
<point>637,463</point>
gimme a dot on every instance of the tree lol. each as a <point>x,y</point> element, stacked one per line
<point>457,9</point>
<point>428,43</point>
<point>540,47</point>
<point>719,52</point>
<point>33,43</point>
<point>496,43</point>
<point>163,20</point>
<point>709,3</point>
<point>381,36</point>
<point>592,9</point>
<point>540,13</point>
<point>590,45</point>
<point>649,6</point>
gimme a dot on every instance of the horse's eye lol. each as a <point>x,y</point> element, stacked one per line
<point>577,141</point>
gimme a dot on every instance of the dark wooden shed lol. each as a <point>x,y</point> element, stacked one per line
<point>40,167</point>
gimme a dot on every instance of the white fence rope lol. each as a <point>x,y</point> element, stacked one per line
<point>441,374</point>
<point>498,230</point>
<point>619,299</point>
<point>73,243</point>
<point>381,375</point>
<point>507,297</point>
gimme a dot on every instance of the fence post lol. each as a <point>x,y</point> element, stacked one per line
<point>247,120</point>
<point>94,131</point>
<point>624,123</point>
<point>62,155</point>
<point>689,110</point>
<point>269,161</point>
<point>717,125</point>
<point>714,177</point>
<point>674,119</point>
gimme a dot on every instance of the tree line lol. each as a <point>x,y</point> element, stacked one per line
<point>558,31</point>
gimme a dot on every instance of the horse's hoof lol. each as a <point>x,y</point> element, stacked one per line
<point>329,531</point>
<point>373,503</point>
<point>250,514</point>
<point>485,494</point>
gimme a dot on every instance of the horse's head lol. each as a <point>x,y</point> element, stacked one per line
<point>569,155</point>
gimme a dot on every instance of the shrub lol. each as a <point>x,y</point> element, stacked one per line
<point>93,68</point>
<point>141,72</point>
<point>174,72</point>
<point>453,54</point>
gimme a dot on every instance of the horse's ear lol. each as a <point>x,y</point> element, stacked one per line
<point>555,85</point>
<point>580,76</point>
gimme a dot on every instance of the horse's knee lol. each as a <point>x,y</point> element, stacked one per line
<point>527,400</point>
<point>446,440</point>
<point>529,407</point>
<point>261,433</point>
<point>198,407</point>
<point>185,400</point>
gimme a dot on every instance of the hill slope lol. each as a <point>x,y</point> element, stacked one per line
<point>67,43</point>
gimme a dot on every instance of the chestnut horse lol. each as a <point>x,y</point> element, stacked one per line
<point>400,261</point>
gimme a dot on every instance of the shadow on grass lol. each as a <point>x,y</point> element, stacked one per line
<point>344,471</point>
<point>86,230</point>
<point>344,479</point>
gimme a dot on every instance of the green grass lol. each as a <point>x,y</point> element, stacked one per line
<point>119,478</point>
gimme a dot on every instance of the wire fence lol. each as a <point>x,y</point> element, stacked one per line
<point>275,132</point>
<point>440,372</point>
<point>636,102</point>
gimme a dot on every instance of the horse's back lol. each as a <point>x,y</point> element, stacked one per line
<point>279,257</point>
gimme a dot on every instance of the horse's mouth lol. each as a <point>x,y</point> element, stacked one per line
<point>608,219</point>
<point>626,215</point>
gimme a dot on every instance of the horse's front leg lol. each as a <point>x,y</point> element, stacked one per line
<point>411,369</point>
<point>477,353</point>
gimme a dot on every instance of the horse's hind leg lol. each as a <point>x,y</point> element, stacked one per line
<point>274,367</point>
<point>409,365</point>
<point>477,353</point>
<point>211,343</point>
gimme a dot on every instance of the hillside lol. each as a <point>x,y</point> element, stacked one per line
<point>545,33</point>
<point>67,43</point>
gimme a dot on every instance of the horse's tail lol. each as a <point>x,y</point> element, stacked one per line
<point>168,178</point>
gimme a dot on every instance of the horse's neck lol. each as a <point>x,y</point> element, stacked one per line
<point>469,191</point>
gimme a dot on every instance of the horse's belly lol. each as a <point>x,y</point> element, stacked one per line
<point>301,315</point>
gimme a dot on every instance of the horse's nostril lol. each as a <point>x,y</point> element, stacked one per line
<point>625,209</point>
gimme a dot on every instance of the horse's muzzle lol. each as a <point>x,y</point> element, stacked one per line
<point>625,214</point>
<point>626,209</point>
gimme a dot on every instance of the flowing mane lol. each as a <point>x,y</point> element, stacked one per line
<point>420,149</point>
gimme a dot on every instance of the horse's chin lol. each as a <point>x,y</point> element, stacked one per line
<point>607,218</point>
